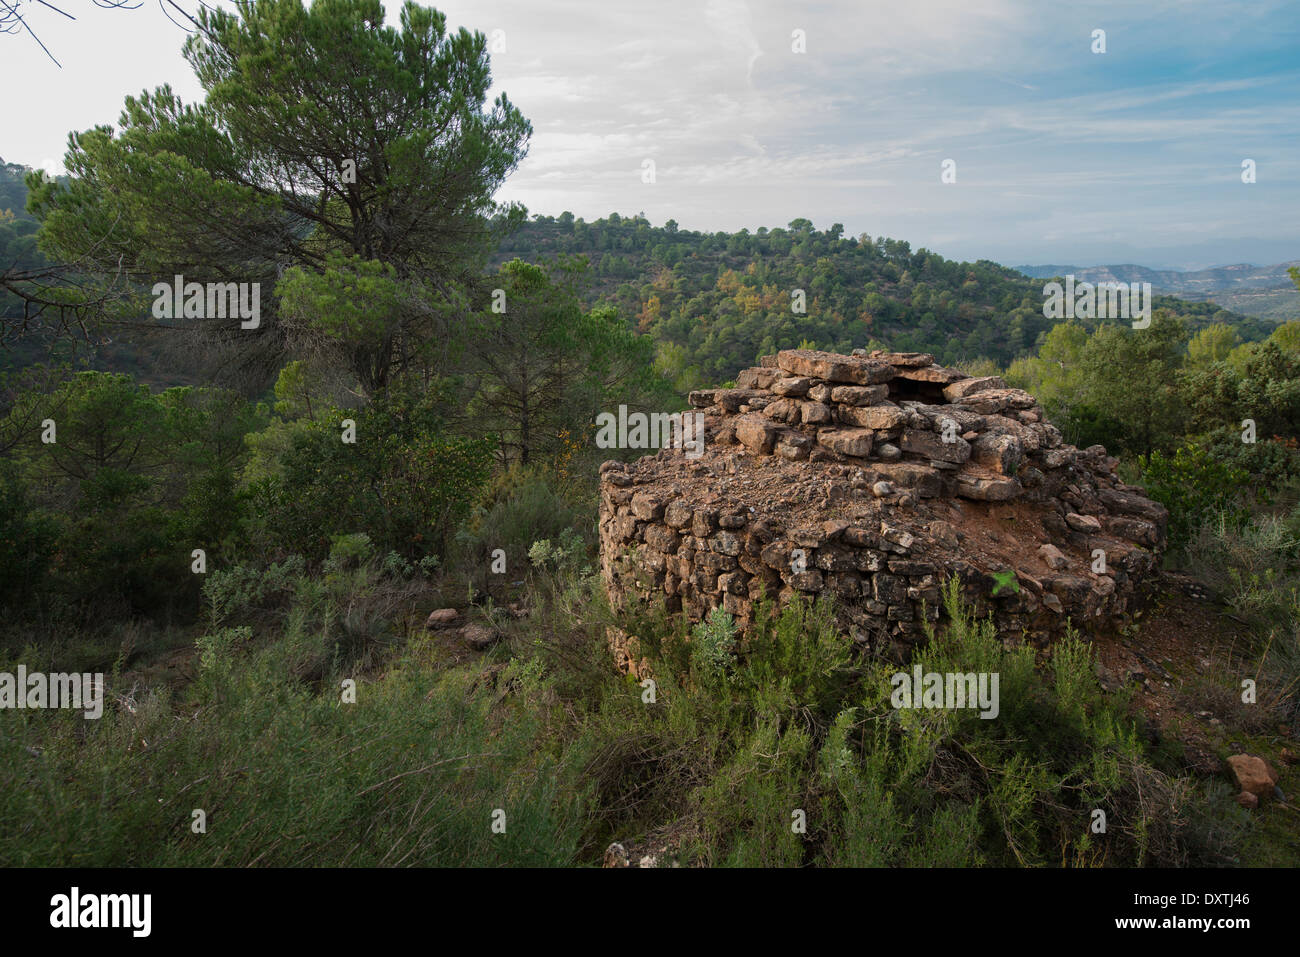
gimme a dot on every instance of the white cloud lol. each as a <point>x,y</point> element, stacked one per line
<point>1053,144</point>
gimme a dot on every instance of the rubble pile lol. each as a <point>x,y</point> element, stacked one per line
<point>874,478</point>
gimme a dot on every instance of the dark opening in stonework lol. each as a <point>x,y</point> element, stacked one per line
<point>909,390</point>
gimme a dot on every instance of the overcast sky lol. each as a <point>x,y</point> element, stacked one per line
<point>1062,155</point>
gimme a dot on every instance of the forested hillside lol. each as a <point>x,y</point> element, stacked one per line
<point>17,231</point>
<point>714,302</point>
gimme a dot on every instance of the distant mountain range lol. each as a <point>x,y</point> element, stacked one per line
<point>1263,291</point>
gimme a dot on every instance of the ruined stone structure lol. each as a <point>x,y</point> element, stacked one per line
<point>874,478</point>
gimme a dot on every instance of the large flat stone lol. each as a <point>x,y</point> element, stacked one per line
<point>1002,453</point>
<point>733,399</point>
<point>851,442</point>
<point>924,480</point>
<point>834,368</point>
<point>932,446</point>
<point>859,394</point>
<point>990,401</point>
<point>1128,503</point>
<point>881,417</point>
<point>987,489</point>
<point>783,410</point>
<point>792,386</point>
<point>931,374</point>
<point>966,387</point>
<point>906,359</point>
<point>756,433</point>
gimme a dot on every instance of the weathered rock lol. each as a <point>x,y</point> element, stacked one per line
<point>1002,453</point>
<point>810,580</point>
<point>814,413</point>
<point>852,442</point>
<point>987,489</point>
<point>756,433</point>
<point>1254,775</point>
<point>1134,530</point>
<point>784,410</point>
<point>900,537</point>
<point>1130,503</point>
<point>733,519</point>
<point>478,635</point>
<point>932,446</point>
<point>907,360</point>
<point>965,387</point>
<point>792,386</point>
<point>442,618</point>
<point>935,374</point>
<point>913,475</point>
<point>647,507</point>
<point>858,394</point>
<point>834,368</point>
<point>1083,523</point>
<point>678,514</point>
<point>883,417</point>
<point>1052,557</point>
<point>833,528</point>
<point>793,447</point>
<point>990,401</point>
<point>726,543</point>
<point>661,538</point>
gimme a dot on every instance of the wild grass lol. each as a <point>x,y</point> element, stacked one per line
<point>1255,569</point>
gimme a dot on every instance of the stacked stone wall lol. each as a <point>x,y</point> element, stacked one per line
<point>874,478</point>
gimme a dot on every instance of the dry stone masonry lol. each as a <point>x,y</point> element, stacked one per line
<point>874,478</point>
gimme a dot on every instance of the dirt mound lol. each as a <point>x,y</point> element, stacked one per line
<point>875,477</point>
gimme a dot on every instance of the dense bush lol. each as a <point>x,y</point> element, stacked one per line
<point>1194,485</point>
<point>128,485</point>
<point>521,508</point>
<point>401,482</point>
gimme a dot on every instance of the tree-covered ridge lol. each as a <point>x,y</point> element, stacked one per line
<point>17,226</point>
<point>716,301</point>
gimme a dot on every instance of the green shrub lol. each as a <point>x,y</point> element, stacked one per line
<point>713,643</point>
<point>522,508</point>
<point>402,482</point>
<point>1273,463</point>
<point>1194,485</point>
<point>569,552</point>
<point>132,484</point>
<point>349,551</point>
<point>779,750</point>
<point>1255,568</point>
